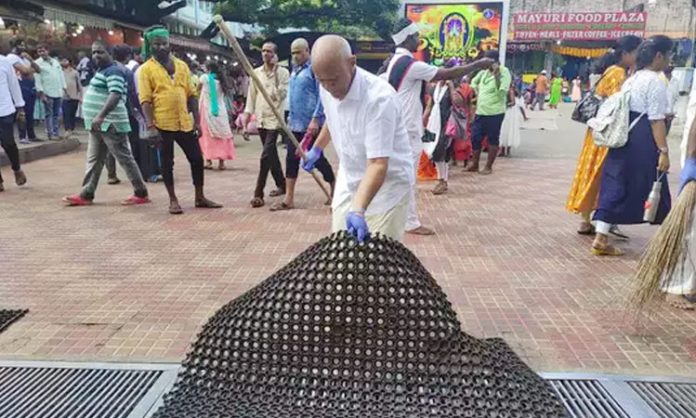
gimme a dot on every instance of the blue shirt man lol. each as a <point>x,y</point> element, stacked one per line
<point>305,117</point>
<point>303,98</point>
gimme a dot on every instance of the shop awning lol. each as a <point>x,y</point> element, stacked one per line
<point>67,16</point>
<point>18,10</point>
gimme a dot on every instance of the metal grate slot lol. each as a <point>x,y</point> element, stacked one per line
<point>587,399</point>
<point>668,400</point>
<point>79,392</point>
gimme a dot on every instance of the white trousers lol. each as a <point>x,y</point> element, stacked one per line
<point>412,220</point>
<point>391,223</point>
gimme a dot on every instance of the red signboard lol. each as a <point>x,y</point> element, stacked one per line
<point>578,26</point>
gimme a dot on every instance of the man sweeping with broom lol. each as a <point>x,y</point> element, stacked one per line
<point>669,264</point>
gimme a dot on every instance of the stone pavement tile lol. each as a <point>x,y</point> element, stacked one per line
<point>111,283</point>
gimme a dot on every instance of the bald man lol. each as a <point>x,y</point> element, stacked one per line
<point>305,118</point>
<point>364,123</point>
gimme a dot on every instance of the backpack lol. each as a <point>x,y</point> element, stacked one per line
<point>610,127</point>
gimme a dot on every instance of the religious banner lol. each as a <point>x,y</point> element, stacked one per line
<point>578,26</point>
<point>456,31</point>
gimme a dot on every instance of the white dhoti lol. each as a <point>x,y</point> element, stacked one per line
<point>690,118</point>
<point>412,220</point>
<point>391,223</point>
<point>683,280</point>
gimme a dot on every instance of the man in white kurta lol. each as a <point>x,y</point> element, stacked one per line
<point>410,90</point>
<point>365,125</point>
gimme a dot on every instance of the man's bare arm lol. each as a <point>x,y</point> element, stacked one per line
<point>149,114</point>
<point>372,181</point>
<point>456,73</point>
<point>324,137</point>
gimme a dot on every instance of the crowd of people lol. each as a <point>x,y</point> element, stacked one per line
<point>136,106</point>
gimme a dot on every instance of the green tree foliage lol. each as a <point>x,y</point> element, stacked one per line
<point>353,18</point>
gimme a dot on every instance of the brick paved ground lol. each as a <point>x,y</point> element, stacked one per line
<point>135,284</point>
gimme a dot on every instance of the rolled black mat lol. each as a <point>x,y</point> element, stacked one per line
<point>347,330</point>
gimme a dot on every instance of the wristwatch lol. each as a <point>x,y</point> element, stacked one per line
<point>664,150</point>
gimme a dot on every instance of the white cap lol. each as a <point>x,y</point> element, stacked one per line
<point>543,72</point>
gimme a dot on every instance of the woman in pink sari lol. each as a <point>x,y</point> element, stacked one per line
<point>216,136</point>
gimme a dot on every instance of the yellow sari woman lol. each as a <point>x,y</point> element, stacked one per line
<point>585,189</point>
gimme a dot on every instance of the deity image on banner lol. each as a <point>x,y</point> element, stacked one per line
<point>454,33</point>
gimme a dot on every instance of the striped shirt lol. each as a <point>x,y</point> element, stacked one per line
<point>111,79</point>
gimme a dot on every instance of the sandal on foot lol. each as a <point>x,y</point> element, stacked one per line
<point>486,171</point>
<point>76,200</point>
<point>257,202</point>
<point>280,206</point>
<point>440,188</point>
<point>421,230</point>
<point>222,167</point>
<point>20,178</point>
<point>175,209</point>
<point>680,302</point>
<point>587,229</point>
<point>208,166</point>
<point>135,200</point>
<point>471,169</point>
<point>276,193</point>
<point>113,181</point>
<point>607,251</point>
<point>207,204</point>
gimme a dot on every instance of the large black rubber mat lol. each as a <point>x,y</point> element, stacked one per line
<point>7,317</point>
<point>351,331</point>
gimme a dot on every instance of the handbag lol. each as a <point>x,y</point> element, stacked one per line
<point>588,106</point>
<point>459,121</point>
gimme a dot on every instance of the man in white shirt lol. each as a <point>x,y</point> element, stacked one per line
<point>11,109</point>
<point>408,76</point>
<point>50,89</point>
<point>364,122</point>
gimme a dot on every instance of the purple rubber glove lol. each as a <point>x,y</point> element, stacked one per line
<point>357,226</point>
<point>688,173</point>
<point>311,159</point>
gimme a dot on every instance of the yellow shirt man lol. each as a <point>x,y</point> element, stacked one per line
<point>168,94</point>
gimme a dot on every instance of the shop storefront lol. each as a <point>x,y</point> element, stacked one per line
<point>569,42</point>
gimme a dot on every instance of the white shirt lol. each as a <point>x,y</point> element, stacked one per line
<point>132,64</point>
<point>15,59</point>
<point>648,94</point>
<point>410,95</point>
<point>10,93</point>
<point>368,124</point>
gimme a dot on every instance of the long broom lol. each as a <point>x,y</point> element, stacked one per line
<point>666,250</point>
<point>246,65</point>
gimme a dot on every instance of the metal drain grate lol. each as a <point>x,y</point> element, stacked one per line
<point>63,390</point>
<point>669,400</point>
<point>587,399</point>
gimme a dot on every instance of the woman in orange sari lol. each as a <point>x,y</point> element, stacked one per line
<point>614,67</point>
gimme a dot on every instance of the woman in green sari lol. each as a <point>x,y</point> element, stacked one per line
<point>556,89</point>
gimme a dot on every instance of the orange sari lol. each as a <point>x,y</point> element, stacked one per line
<point>585,188</point>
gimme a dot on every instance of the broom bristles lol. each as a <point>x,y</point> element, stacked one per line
<point>666,250</point>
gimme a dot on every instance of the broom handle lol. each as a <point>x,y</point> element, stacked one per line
<point>220,22</point>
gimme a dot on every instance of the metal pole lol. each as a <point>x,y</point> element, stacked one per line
<point>220,22</point>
